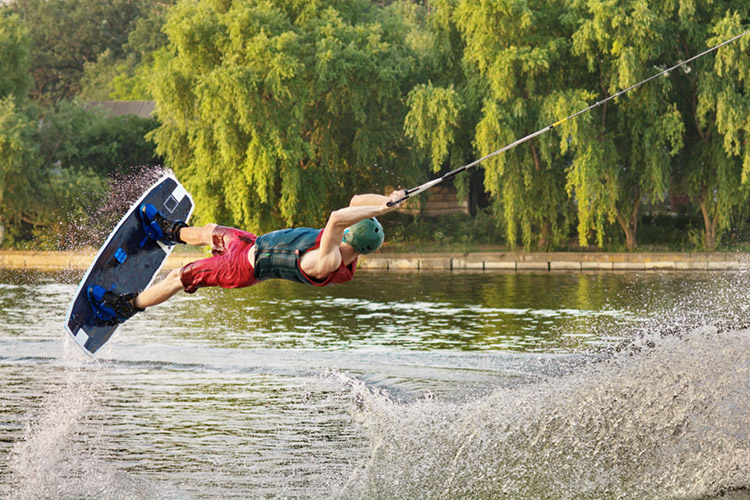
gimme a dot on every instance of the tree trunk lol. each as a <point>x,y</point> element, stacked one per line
<point>630,230</point>
<point>630,224</point>
<point>709,223</point>
<point>630,240</point>
<point>711,236</point>
<point>2,230</point>
<point>544,236</point>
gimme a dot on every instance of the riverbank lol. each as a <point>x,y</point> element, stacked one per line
<point>453,261</point>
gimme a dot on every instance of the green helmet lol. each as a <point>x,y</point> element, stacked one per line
<point>365,236</point>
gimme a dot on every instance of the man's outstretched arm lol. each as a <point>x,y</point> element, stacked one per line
<point>370,200</point>
<point>361,207</point>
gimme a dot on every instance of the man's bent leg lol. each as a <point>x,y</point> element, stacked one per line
<point>169,286</point>
<point>160,292</point>
<point>198,236</point>
<point>200,273</point>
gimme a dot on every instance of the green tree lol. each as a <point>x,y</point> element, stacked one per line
<point>622,158</point>
<point>273,111</point>
<point>83,139</point>
<point>516,48</point>
<point>717,163</point>
<point>20,177</point>
<point>433,119</point>
<point>17,159</point>
<point>445,104</point>
<point>15,58</point>
<point>125,76</point>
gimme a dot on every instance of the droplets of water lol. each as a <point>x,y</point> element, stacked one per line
<point>49,459</point>
<point>101,212</point>
<point>670,422</point>
<point>64,451</point>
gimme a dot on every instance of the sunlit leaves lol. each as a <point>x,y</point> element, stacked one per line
<point>272,110</point>
<point>275,111</point>
<point>513,46</point>
<point>624,157</point>
<point>719,167</point>
<point>432,119</point>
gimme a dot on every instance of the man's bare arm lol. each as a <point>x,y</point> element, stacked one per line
<point>364,200</point>
<point>361,207</point>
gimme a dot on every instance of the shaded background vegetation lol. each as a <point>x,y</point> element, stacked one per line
<point>274,112</point>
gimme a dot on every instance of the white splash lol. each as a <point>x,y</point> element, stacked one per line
<point>64,453</point>
<point>668,419</point>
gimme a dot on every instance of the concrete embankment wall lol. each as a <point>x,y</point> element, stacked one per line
<point>488,261</point>
<point>560,261</point>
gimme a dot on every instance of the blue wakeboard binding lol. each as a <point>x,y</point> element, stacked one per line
<point>158,227</point>
<point>112,307</point>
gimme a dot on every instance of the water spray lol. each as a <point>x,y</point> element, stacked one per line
<point>427,185</point>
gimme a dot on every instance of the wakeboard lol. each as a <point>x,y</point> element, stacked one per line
<point>127,262</point>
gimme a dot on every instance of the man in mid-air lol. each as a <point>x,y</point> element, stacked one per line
<point>317,257</point>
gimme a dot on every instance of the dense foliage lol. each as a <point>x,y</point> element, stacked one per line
<point>68,34</point>
<point>539,61</point>
<point>274,112</point>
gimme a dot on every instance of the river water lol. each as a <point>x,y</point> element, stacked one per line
<point>397,385</point>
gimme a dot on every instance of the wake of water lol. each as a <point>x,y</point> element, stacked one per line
<point>671,420</point>
<point>63,455</point>
<point>665,416</point>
